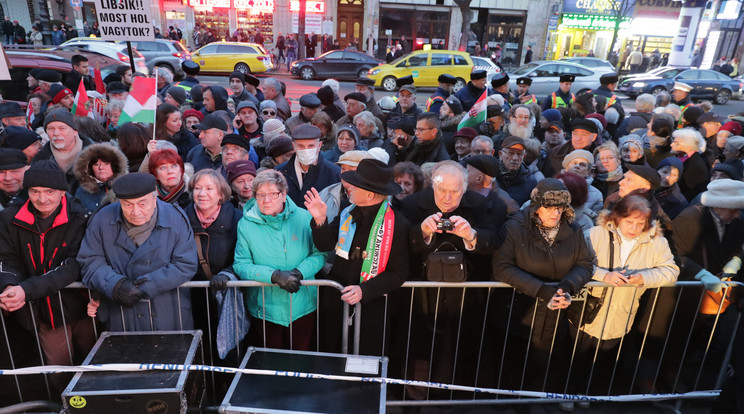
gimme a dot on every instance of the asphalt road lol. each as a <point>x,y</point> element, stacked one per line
<point>296,88</point>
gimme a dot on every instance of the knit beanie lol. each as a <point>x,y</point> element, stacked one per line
<point>45,173</point>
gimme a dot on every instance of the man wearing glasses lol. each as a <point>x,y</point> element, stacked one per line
<point>513,176</point>
<point>583,136</point>
<point>428,146</point>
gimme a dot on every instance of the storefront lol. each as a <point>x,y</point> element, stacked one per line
<point>420,26</point>
<point>583,35</point>
<point>499,30</point>
<point>725,34</point>
<point>256,15</point>
<point>653,27</point>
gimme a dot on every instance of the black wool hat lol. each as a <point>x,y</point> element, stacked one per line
<point>365,81</point>
<point>608,78</point>
<point>406,124</point>
<point>524,80</point>
<point>487,164</point>
<point>373,175</point>
<point>252,80</point>
<point>118,87</point>
<point>236,139</point>
<point>19,137</point>
<point>190,67</point>
<point>567,78</point>
<point>134,185</point>
<point>112,77</point>
<point>279,146</point>
<point>237,75</point>
<point>585,124</point>
<point>10,109</point>
<point>406,80</point>
<point>48,75</point>
<point>45,173</point>
<point>447,78</point>
<point>693,114</point>
<point>454,104</point>
<point>60,115</point>
<point>478,74</point>
<point>499,80</point>
<point>494,110</point>
<point>325,94</point>
<point>12,158</point>
<point>733,168</point>
<point>647,173</point>
<point>357,96</point>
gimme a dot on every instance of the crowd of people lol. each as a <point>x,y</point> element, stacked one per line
<point>546,195</point>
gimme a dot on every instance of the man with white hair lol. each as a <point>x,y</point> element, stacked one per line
<point>272,90</point>
<point>689,145</point>
<point>481,145</point>
<point>165,80</point>
<point>366,87</point>
<point>521,122</point>
<point>639,118</point>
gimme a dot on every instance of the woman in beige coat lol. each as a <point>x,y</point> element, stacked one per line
<point>641,260</point>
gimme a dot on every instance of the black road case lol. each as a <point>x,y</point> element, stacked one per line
<point>152,392</point>
<point>281,394</point>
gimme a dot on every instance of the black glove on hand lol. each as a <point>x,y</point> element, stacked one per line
<point>127,294</point>
<point>219,282</point>
<point>296,273</point>
<point>286,280</point>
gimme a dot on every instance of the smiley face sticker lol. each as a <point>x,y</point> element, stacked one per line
<point>77,401</point>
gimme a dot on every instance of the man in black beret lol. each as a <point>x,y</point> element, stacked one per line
<point>39,243</point>
<point>500,86</point>
<point>446,83</point>
<point>47,78</point>
<point>136,252</point>
<point>473,90</point>
<point>12,114</point>
<point>309,105</point>
<point>643,178</point>
<point>251,85</point>
<point>583,136</point>
<point>523,92</point>
<point>366,87</point>
<point>608,84</point>
<point>13,164</point>
<point>240,93</point>
<point>117,90</point>
<point>562,97</point>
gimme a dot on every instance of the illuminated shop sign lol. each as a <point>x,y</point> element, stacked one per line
<point>210,3</point>
<point>582,21</point>
<point>256,6</point>
<point>310,7</point>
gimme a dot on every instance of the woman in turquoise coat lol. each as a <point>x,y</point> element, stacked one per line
<point>275,245</point>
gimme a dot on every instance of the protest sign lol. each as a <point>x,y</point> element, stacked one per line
<point>125,20</point>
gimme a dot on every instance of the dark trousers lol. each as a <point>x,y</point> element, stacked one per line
<point>278,336</point>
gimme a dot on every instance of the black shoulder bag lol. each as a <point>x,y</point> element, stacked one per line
<point>446,265</point>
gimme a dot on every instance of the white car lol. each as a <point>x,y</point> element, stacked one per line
<point>482,63</point>
<point>545,76</point>
<point>116,51</point>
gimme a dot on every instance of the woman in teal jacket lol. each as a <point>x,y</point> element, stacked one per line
<point>275,245</point>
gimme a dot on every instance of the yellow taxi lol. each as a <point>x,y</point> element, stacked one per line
<point>425,66</point>
<point>226,57</point>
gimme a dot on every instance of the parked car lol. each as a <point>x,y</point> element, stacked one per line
<point>226,57</point>
<point>597,64</point>
<point>341,64</point>
<point>661,71</point>
<point>483,63</point>
<point>425,66</point>
<point>163,53</point>
<point>113,50</point>
<point>706,84</point>
<point>546,74</point>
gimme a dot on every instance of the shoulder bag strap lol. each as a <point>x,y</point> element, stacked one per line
<point>612,263</point>
<point>200,253</point>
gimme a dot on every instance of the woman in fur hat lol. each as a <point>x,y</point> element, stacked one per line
<point>96,168</point>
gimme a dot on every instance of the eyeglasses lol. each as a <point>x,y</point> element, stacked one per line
<point>272,113</point>
<point>268,196</point>
<point>423,129</point>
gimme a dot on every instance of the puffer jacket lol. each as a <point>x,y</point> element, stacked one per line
<point>91,192</point>
<point>281,242</point>
<point>650,257</point>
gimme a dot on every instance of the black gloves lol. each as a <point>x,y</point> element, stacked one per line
<point>127,294</point>
<point>287,280</point>
<point>219,282</point>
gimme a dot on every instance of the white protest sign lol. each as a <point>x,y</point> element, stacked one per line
<point>125,19</point>
<point>4,65</point>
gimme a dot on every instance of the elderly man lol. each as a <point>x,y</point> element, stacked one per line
<point>24,139</point>
<point>12,114</point>
<point>137,252</point>
<point>406,106</point>
<point>482,172</point>
<point>165,81</point>
<point>306,169</point>
<point>513,176</point>
<point>234,148</point>
<point>638,177</point>
<point>117,91</point>
<point>239,92</point>
<point>13,165</point>
<point>39,242</point>
<point>710,124</point>
<point>562,97</point>
<point>208,154</point>
<point>247,121</point>
<point>309,104</point>
<point>366,87</point>
<point>370,240</point>
<point>482,145</point>
<point>473,90</point>
<point>428,146</point>
<point>444,90</point>
<point>583,136</point>
<point>272,90</point>
<point>65,144</point>
<point>80,70</point>
<point>521,122</point>
<point>355,104</point>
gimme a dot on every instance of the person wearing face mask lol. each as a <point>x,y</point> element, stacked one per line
<point>306,169</point>
<point>97,167</point>
<point>668,195</point>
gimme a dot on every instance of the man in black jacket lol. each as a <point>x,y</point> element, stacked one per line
<point>12,168</point>
<point>428,146</point>
<point>80,70</point>
<point>473,90</point>
<point>39,241</point>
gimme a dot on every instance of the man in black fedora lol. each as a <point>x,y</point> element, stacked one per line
<point>370,241</point>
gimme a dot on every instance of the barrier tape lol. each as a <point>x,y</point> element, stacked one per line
<point>56,369</point>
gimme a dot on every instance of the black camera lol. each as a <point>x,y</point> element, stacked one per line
<point>445,225</point>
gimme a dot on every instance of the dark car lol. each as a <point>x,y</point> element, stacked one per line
<point>706,84</point>
<point>339,64</point>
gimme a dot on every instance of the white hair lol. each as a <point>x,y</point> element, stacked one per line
<point>367,118</point>
<point>448,169</point>
<point>645,103</point>
<point>114,104</point>
<point>690,138</point>
<point>484,139</point>
<point>166,74</point>
<point>331,83</point>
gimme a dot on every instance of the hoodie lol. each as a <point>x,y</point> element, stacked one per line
<point>220,99</point>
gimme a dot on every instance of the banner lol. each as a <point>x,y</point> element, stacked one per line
<point>125,20</point>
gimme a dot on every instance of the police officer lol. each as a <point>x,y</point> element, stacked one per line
<point>401,82</point>
<point>446,82</point>
<point>191,69</point>
<point>608,83</point>
<point>523,91</point>
<point>500,86</point>
<point>681,97</point>
<point>562,97</point>
<point>473,90</point>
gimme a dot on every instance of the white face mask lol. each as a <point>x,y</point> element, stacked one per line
<point>307,156</point>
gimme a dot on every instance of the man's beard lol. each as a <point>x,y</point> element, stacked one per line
<point>521,131</point>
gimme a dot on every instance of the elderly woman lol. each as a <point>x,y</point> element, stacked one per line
<point>275,245</point>
<point>327,130</point>
<point>581,163</point>
<point>631,150</point>
<point>369,136</point>
<point>215,223</point>
<point>609,170</point>
<point>688,145</point>
<point>191,118</point>
<point>267,110</point>
<point>630,250</point>
<point>169,127</point>
<point>167,167</point>
<point>240,175</point>
<point>113,112</point>
<point>545,258</point>
<point>347,139</point>
<point>96,169</point>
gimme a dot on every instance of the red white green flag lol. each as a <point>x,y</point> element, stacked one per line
<point>476,114</point>
<point>141,102</point>
<point>81,99</point>
<point>30,117</point>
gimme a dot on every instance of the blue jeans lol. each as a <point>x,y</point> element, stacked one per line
<point>291,56</point>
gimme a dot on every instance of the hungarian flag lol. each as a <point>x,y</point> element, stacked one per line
<point>30,113</point>
<point>140,104</point>
<point>81,98</point>
<point>476,115</point>
<point>100,86</point>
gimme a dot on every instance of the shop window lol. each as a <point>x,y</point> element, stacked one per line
<point>419,60</point>
<point>438,59</point>
<point>460,60</point>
